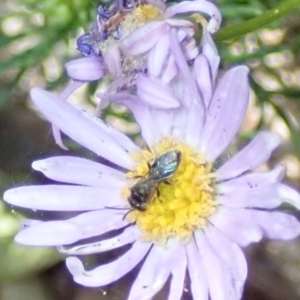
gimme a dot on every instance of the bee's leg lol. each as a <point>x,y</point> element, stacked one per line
<point>168,182</point>
<point>160,199</point>
<point>157,193</point>
<point>149,166</point>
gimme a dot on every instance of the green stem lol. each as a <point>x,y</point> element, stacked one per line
<point>233,31</point>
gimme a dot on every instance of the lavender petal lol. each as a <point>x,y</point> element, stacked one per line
<point>29,222</point>
<point>251,181</point>
<point>55,233</point>
<point>237,224</point>
<point>211,53</point>
<point>67,91</point>
<point>170,70</point>
<point>277,225</point>
<point>232,258</point>
<point>63,197</point>
<point>178,276</point>
<point>142,114</point>
<point>264,197</point>
<point>289,195</point>
<point>81,171</point>
<point>57,137</point>
<point>193,126</point>
<point>181,24</point>
<point>190,49</point>
<point>180,120</point>
<point>113,60</point>
<point>183,67</point>
<point>110,272</point>
<point>123,140</point>
<point>154,93</point>
<point>217,284</point>
<point>70,89</point>
<point>197,6</point>
<point>144,38</point>
<point>153,274</point>
<point>221,126</point>
<point>79,127</point>
<point>49,234</point>
<point>164,120</point>
<point>88,68</point>
<point>129,235</point>
<point>258,190</point>
<point>203,78</point>
<point>158,55</point>
<point>250,157</point>
<point>191,99</point>
<point>199,283</point>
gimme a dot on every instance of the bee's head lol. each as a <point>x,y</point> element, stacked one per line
<point>139,196</point>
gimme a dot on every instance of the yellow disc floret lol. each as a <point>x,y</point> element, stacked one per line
<point>183,202</point>
<point>123,24</point>
<point>142,15</point>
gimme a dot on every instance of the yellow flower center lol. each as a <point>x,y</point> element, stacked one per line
<point>142,15</point>
<point>126,24</point>
<point>179,205</point>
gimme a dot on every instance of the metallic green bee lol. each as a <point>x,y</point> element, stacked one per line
<point>162,169</point>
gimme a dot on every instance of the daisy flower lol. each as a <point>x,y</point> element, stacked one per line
<point>132,40</point>
<point>197,211</point>
<point>133,36</point>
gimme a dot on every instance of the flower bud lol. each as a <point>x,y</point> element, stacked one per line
<point>85,68</point>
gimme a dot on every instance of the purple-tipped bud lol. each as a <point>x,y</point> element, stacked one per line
<point>85,68</point>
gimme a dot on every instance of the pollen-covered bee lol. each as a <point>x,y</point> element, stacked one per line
<point>161,169</point>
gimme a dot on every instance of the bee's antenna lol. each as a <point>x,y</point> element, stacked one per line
<point>117,208</point>
<point>122,208</point>
<point>129,211</point>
